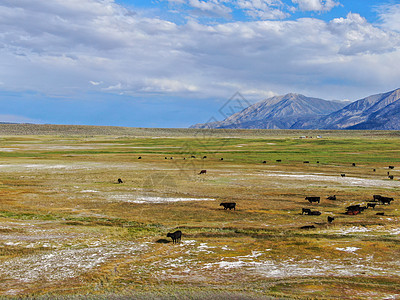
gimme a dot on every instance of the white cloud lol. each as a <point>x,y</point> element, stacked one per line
<point>390,16</point>
<point>168,85</point>
<point>316,5</point>
<point>263,9</point>
<point>204,8</point>
<point>257,9</point>
<point>358,36</point>
<point>211,7</point>
<point>57,47</point>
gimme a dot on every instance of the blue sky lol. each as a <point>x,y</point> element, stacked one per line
<point>174,63</point>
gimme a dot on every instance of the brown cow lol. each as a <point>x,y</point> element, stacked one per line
<point>203,172</point>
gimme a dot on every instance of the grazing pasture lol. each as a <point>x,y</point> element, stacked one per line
<point>68,228</point>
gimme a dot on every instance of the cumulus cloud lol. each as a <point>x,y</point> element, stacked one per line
<point>358,36</point>
<point>316,5</point>
<point>63,47</point>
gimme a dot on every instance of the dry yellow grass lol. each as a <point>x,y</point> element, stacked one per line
<point>68,228</point>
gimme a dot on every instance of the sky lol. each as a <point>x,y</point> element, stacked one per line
<point>175,63</point>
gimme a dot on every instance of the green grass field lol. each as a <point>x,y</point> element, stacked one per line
<point>67,228</point>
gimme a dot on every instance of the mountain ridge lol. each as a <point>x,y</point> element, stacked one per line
<point>296,111</point>
<point>278,112</point>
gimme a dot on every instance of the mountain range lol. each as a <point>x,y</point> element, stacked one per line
<point>296,111</point>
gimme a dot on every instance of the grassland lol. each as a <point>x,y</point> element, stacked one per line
<point>68,229</point>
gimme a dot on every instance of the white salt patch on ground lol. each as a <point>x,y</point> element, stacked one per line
<point>354,229</point>
<point>8,149</point>
<point>12,243</point>
<point>56,147</point>
<point>62,264</point>
<point>154,147</point>
<point>168,199</point>
<point>89,191</point>
<point>336,179</point>
<point>395,231</point>
<point>348,249</point>
<point>361,229</point>
<point>315,267</point>
<point>187,242</point>
<point>203,247</point>
<point>349,230</point>
<point>226,248</point>
<point>150,199</point>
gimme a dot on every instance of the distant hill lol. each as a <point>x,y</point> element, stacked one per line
<point>376,112</point>
<point>280,112</point>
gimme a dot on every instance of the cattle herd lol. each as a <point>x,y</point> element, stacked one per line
<point>350,210</point>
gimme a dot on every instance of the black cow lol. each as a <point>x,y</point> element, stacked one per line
<point>385,200</point>
<point>374,170</point>
<point>204,157</point>
<point>264,162</point>
<point>193,156</point>
<point>120,180</point>
<point>377,197</point>
<point>139,157</point>
<point>229,205</point>
<point>391,167</point>
<point>176,236</point>
<point>380,214</point>
<point>306,211</point>
<point>222,158</point>
<point>371,205</point>
<point>307,227</point>
<point>317,161</point>
<point>355,209</point>
<point>313,199</point>
<point>332,197</point>
<point>391,177</point>
<point>165,157</point>
<point>315,213</point>
<point>278,160</point>
<point>203,172</point>
<point>343,175</point>
<point>330,219</point>
<point>353,164</point>
<point>306,162</point>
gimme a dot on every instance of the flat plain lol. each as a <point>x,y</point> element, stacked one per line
<point>69,229</point>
